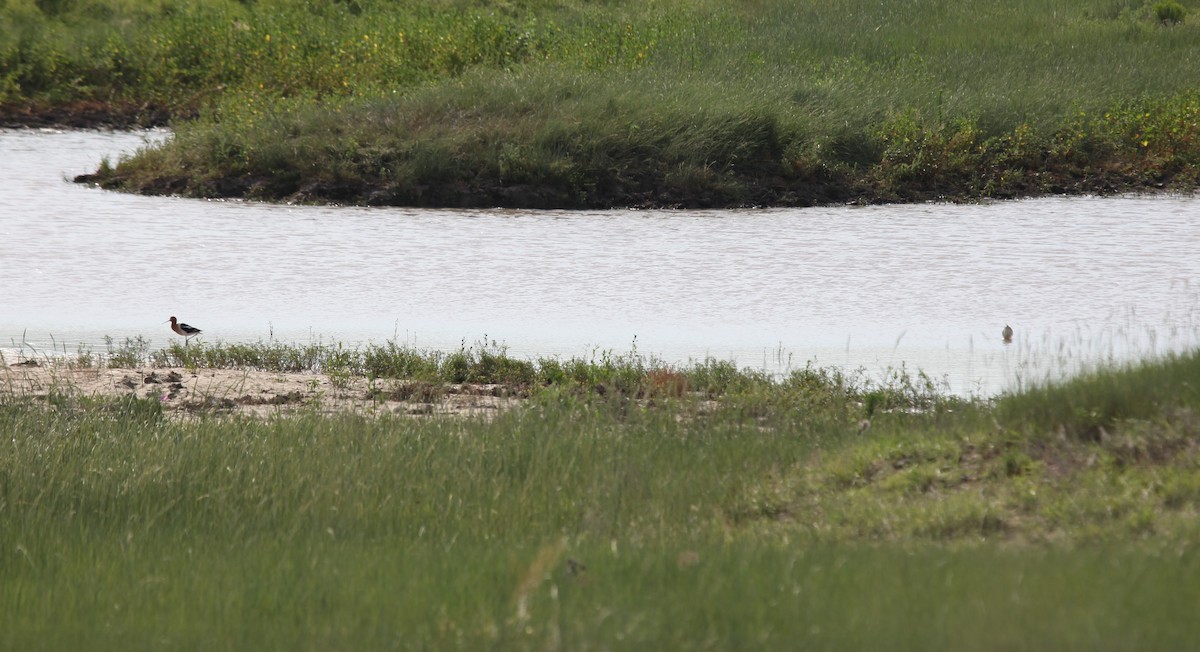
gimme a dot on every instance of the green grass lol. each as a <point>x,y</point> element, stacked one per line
<point>336,595</point>
<point>671,103</point>
<point>604,373</point>
<point>760,516</point>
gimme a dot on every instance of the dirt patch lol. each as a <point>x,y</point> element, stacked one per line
<point>255,393</point>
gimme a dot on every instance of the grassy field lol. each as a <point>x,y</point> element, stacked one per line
<point>571,104</point>
<point>757,514</point>
<point>625,503</point>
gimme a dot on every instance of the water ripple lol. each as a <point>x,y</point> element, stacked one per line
<point>929,285</point>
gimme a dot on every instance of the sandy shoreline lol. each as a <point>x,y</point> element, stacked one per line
<point>254,393</point>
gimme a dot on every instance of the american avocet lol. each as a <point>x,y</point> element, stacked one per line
<point>183,329</point>
<point>1007,334</point>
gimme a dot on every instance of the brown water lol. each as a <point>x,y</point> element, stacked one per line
<point>930,286</point>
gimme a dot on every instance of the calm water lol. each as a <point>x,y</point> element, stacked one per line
<point>929,286</point>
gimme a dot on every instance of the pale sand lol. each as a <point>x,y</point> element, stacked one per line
<point>255,393</point>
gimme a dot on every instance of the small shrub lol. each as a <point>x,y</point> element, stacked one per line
<point>84,358</point>
<point>666,383</point>
<point>393,361</point>
<point>551,372</point>
<point>339,367</point>
<point>497,367</point>
<point>457,367</point>
<point>417,390</point>
<point>1016,463</point>
<point>133,353</point>
<point>1169,12</point>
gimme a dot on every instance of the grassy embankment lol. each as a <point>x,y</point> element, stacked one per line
<point>734,513</point>
<point>670,103</point>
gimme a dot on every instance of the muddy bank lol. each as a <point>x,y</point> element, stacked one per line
<point>261,394</point>
<point>647,193</point>
<point>85,114</point>
<point>816,188</point>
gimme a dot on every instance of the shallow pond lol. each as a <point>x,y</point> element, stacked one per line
<point>1080,280</point>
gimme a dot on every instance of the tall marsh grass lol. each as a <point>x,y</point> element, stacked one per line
<point>580,523</point>
<point>676,103</point>
<point>1088,404</point>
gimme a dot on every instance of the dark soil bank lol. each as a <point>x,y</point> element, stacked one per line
<point>84,115</point>
<point>649,191</point>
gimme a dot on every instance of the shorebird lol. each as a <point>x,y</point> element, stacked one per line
<point>1007,334</point>
<point>183,329</point>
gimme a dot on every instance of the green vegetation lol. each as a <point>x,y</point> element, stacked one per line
<point>760,514</point>
<point>625,503</point>
<point>485,362</point>
<point>1170,12</point>
<point>573,104</point>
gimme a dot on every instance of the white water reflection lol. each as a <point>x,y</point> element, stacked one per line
<point>930,286</point>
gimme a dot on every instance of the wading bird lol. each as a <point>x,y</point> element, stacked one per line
<point>1007,334</point>
<point>183,329</point>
